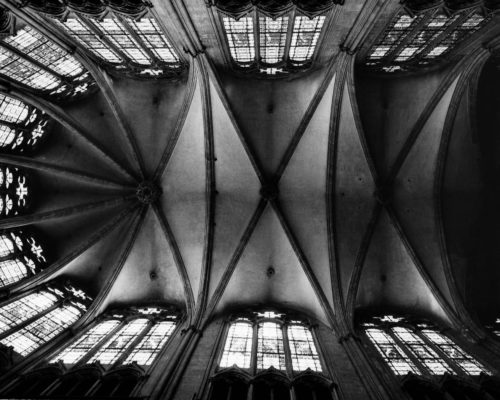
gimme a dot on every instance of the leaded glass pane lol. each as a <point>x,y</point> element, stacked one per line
<point>425,354</point>
<point>18,311</point>
<point>12,110</point>
<point>117,34</point>
<point>238,347</point>
<point>12,271</point>
<point>302,349</point>
<point>270,350</point>
<point>240,37</point>
<point>392,354</point>
<point>26,72</point>
<point>39,332</point>
<point>463,360</point>
<point>6,246</point>
<point>305,37</point>
<point>77,350</point>
<point>272,38</point>
<point>119,342</point>
<point>38,47</point>
<point>154,39</point>
<point>151,344</point>
<point>84,35</point>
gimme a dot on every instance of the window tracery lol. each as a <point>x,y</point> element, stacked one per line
<point>128,39</point>
<point>417,347</point>
<point>21,255</point>
<point>31,59</point>
<point>34,319</point>
<point>122,338</point>
<point>422,37</point>
<point>266,350</point>
<point>22,127</point>
<point>272,39</point>
<point>15,191</point>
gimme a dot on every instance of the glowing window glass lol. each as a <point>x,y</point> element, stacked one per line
<point>6,246</point>
<point>77,350</point>
<point>7,135</point>
<point>154,39</point>
<point>12,271</point>
<point>425,354</point>
<point>302,349</point>
<point>39,332</point>
<point>117,33</point>
<point>240,37</point>
<point>84,35</point>
<point>238,347</point>
<point>12,110</point>
<point>151,344</point>
<point>272,38</point>
<point>392,354</point>
<point>119,342</point>
<point>467,363</point>
<point>270,350</point>
<point>41,49</point>
<point>25,308</point>
<point>305,37</point>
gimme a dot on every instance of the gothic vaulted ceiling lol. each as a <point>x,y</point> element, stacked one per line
<point>325,192</point>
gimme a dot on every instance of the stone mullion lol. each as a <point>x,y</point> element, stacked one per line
<point>253,359</point>
<point>139,41</point>
<point>289,34</point>
<point>98,345</point>
<point>286,348</point>
<point>134,343</point>
<point>39,64</point>
<point>410,36</point>
<point>102,37</point>
<point>25,323</point>
<point>256,35</point>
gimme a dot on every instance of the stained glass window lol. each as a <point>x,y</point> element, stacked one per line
<point>238,348</point>
<point>302,349</point>
<point>152,343</point>
<point>270,351</point>
<point>422,38</point>
<point>240,37</point>
<point>426,355</point>
<point>33,320</point>
<point>305,37</point>
<point>6,246</point>
<point>407,346</point>
<point>12,271</point>
<point>272,34</point>
<point>118,343</point>
<point>14,191</point>
<point>43,329</point>
<point>76,351</point>
<point>467,363</point>
<point>392,354</point>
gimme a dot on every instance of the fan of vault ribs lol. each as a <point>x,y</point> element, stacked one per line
<point>213,193</point>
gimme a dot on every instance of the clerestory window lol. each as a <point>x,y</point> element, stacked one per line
<point>30,321</point>
<point>419,348</point>
<point>21,256</point>
<point>15,191</point>
<point>132,43</point>
<point>31,59</point>
<point>22,127</point>
<point>272,44</point>
<point>121,338</point>
<point>420,38</point>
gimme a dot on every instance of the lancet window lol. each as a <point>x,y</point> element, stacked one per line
<point>15,191</point>
<point>269,41</point>
<point>128,40</point>
<point>419,38</point>
<point>30,321</point>
<point>31,59</point>
<point>21,256</point>
<point>121,338</point>
<point>22,127</point>
<point>418,347</point>
<point>273,348</point>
